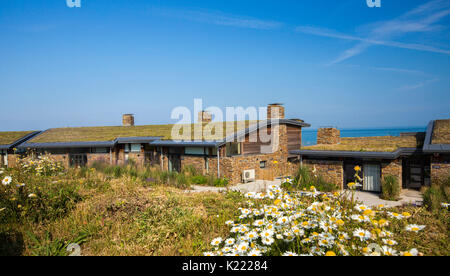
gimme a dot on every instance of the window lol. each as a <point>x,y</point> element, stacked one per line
<point>100,150</point>
<point>132,147</point>
<point>194,151</point>
<point>233,149</point>
<point>262,164</point>
<point>78,160</point>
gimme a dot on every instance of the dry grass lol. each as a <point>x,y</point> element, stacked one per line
<point>441,132</point>
<point>10,137</point>
<point>371,144</point>
<point>90,134</point>
<point>123,216</point>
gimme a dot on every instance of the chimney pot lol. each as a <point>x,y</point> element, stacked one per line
<point>204,117</point>
<point>328,136</point>
<point>128,120</point>
<point>275,111</point>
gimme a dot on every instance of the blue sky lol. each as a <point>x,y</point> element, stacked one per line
<point>334,63</point>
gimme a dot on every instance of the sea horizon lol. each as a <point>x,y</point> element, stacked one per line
<point>309,136</point>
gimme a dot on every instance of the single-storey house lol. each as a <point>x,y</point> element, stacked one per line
<point>233,153</point>
<point>9,140</point>
<point>415,159</point>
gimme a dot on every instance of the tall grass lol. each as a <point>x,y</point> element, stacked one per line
<point>437,194</point>
<point>305,179</point>
<point>390,188</point>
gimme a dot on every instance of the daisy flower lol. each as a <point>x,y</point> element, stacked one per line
<point>388,251</point>
<point>254,253</point>
<point>361,208</point>
<point>252,235</point>
<point>216,242</point>
<point>289,254</point>
<point>230,241</point>
<point>395,215</point>
<point>266,234</point>
<point>362,234</point>
<point>7,180</point>
<point>258,223</point>
<point>414,227</point>
<point>389,242</point>
<point>412,252</point>
<point>243,246</point>
<point>208,254</point>
<point>268,241</point>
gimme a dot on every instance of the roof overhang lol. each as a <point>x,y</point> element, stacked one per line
<point>356,154</point>
<point>172,143</point>
<point>262,124</point>
<point>428,147</point>
<point>90,144</point>
<point>18,142</point>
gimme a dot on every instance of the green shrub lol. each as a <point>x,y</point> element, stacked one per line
<point>305,179</point>
<point>36,198</point>
<point>221,182</point>
<point>199,179</point>
<point>437,194</point>
<point>390,188</point>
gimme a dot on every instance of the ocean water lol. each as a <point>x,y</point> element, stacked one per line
<point>309,137</point>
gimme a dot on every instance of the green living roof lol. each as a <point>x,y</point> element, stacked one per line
<point>371,144</point>
<point>95,134</point>
<point>441,132</point>
<point>9,137</point>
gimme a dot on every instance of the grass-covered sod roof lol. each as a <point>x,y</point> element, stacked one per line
<point>92,134</point>
<point>371,144</point>
<point>441,132</point>
<point>7,138</point>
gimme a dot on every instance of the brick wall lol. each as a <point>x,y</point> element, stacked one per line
<point>331,171</point>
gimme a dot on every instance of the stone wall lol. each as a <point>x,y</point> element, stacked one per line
<point>103,158</point>
<point>62,158</point>
<point>275,166</point>
<point>331,171</point>
<point>12,160</point>
<point>393,168</point>
<point>197,162</point>
<point>440,169</point>
<point>275,111</point>
<point>328,136</point>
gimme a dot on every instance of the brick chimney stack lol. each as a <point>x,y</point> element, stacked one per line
<point>204,117</point>
<point>328,136</point>
<point>275,111</point>
<point>128,120</point>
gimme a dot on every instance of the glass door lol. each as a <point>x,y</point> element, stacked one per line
<point>372,178</point>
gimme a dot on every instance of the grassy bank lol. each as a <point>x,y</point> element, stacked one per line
<point>123,211</point>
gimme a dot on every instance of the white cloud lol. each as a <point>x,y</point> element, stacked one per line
<point>420,19</point>
<point>221,19</point>
<point>418,85</point>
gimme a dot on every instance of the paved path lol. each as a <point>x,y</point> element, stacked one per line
<point>369,199</point>
<point>407,197</point>
<point>257,186</point>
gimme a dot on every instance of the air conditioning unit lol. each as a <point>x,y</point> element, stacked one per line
<point>248,176</point>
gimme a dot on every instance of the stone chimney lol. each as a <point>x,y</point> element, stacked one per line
<point>204,117</point>
<point>275,111</point>
<point>328,136</point>
<point>128,120</point>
